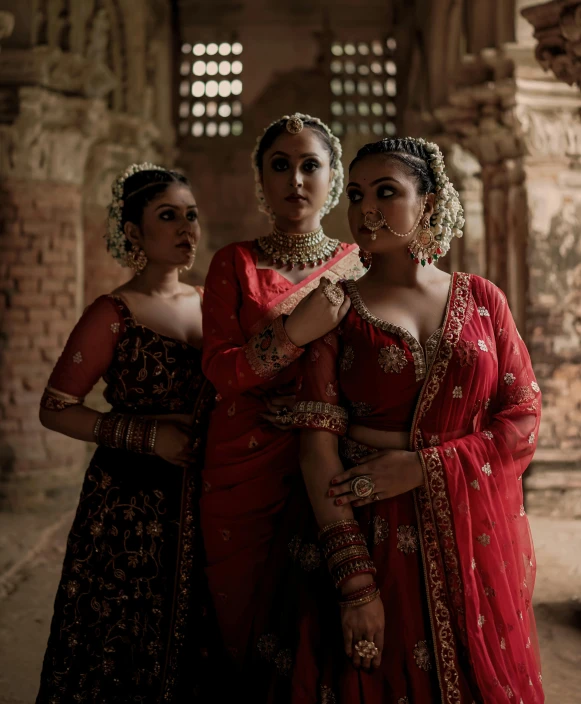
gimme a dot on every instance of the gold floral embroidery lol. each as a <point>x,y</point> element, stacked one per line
<point>392,359</point>
<point>380,530</point>
<point>414,346</point>
<point>271,350</point>
<point>347,358</point>
<point>422,656</point>
<point>309,557</point>
<point>331,389</point>
<point>232,410</point>
<point>403,700</point>
<point>360,409</point>
<point>484,539</point>
<point>317,415</point>
<point>115,327</point>
<point>326,695</point>
<point>407,539</point>
<point>77,358</point>
<point>268,646</point>
<point>481,620</point>
<point>457,392</point>
<point>284,662</point>
<point>252,443</point>
<point>54,400</point>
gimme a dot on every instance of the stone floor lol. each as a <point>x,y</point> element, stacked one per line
<point>29,574</point>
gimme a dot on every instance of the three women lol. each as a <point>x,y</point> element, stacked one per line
<point>419,412</point>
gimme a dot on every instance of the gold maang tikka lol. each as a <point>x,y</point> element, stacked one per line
<point>294,124</point>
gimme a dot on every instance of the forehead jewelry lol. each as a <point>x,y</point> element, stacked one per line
<point>294,124</point>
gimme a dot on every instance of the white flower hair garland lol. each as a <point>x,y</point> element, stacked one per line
<point>448,218</point>
<point>338,175</point>
<point>116,237</point>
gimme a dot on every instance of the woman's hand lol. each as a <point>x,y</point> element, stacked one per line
<point>365,622</point>
<point>315,316</point>
<point>279,408</point>
<point>393,472</point>
<point>173,443</point>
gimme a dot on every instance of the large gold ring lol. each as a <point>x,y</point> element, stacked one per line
<point>334,294</point>
<point>374,220</point>
<point>366,649</point>
<point>362,487</point>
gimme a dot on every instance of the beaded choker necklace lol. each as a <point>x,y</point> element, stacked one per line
<point>312,248</point>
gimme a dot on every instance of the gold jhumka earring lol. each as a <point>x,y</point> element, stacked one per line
<point>136,259</point>
<point>425,247</point>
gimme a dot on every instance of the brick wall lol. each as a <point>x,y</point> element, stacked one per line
<point>39,303</point>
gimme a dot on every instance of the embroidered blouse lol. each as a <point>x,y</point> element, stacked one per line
<point>144,371</point>
<point>367,372</point>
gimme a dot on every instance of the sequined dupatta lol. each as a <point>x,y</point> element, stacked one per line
<point>476,425</point>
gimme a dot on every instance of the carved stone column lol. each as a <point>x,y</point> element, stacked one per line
<point>558,32</point>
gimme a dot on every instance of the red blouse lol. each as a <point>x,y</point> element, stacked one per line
<point>366,372</point>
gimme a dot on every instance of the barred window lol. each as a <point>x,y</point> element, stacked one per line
<point>210,90</point>
<point>363,85</point>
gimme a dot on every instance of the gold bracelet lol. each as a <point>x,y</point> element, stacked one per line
<point>339,557</point>
<point>152,436</point>
<point>97,427</point>
<point>360,602</point>
<point>344,540</point>
<point>336,524</point>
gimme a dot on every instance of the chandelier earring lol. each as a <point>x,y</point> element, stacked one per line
<point>136,259</point>
<point>425,247</point>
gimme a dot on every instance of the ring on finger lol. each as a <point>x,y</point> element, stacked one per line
<point>362,486</point>
<point>334,294</point>
<point>366,649</point>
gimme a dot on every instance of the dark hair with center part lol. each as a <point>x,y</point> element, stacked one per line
<point>141,188</point>
<point>409,153</point>
<point>274,131</point>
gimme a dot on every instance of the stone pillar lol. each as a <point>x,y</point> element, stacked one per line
<point>549,115</point>
<point>42,160</point>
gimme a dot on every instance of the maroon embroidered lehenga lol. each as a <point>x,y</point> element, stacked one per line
<point>128,611</point>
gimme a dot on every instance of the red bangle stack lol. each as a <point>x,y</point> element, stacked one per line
<point>344,546</point>
<point>124,432</point>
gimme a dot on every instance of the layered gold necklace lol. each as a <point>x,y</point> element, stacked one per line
<point>310,248</point>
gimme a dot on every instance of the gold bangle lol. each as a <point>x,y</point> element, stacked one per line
<point>361,601</point>
<point>152,437</point>
<point>344,540</point>
<point>336,524</point>
<point>339,557</point>
<point>97,427</point>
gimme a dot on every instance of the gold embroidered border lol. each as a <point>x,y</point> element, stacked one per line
<point>439,549</point>
<point>271,350</point>
<point>348,267</point>
<point>55,400</point>
<point>316,415</point>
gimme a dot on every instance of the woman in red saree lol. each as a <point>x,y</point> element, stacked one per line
<point>127,614</point>
<point>252,339</point>
<point>420,413</point>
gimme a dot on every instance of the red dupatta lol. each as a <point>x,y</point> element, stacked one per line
<point>476,425</point>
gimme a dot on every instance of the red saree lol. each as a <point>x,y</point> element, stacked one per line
<point>455,562</point>
<point>249,464</point>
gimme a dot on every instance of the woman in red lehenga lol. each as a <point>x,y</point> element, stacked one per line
<point>252,338</point>
<point>127,613</point>
<point>420,413</point>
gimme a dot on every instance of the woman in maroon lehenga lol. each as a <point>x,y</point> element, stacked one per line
<point>128,608</point>
<point>420,413</point>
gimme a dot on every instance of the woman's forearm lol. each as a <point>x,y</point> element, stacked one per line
<point>76,422</point>
<point>319,458</point>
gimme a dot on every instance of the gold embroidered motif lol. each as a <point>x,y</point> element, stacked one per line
<point>347,358</point>
<point>422,656</point>
<point>392,359</point>
<point>54,400</point>
<point>77,358</point>
<point>407,539</point>
<point>326,695</point>
<point>380,530</point>
<point>271,350</point>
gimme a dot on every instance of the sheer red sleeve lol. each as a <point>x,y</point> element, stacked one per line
<point>319,404</point>
<point>86,356</point>
<point>231,362</point>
